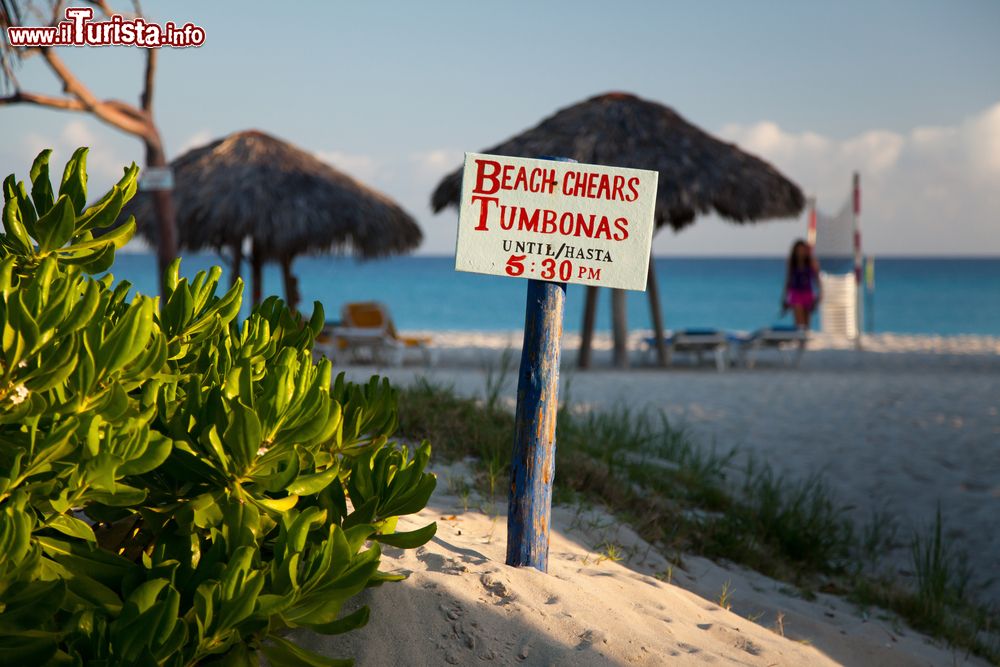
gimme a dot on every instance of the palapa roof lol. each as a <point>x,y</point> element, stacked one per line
<point>290,202</point>
<point>698,173</point>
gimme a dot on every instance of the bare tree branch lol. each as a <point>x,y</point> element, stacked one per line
<point>127,109</point>
<point>65,103</point>
<point>106,112</point>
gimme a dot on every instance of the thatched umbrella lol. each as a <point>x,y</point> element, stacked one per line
<point>252,185</point>
<point>698,174</point>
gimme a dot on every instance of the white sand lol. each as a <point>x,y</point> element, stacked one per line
<point>908,424</point>
<point>462,606</point>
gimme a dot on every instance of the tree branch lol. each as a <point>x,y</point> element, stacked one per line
<point>106,112</point>
<point>127,109</point>
<point>64,103</point>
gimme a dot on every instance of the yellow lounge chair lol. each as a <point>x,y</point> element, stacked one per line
<point>367,333</point>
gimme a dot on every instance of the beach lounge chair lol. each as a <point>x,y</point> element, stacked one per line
<point>789,340</point>
<point>697,342</point>
<point>367,334</point>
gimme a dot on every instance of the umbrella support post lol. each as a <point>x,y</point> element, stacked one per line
<point>291,284</point>
<point>653,290</point>
<point>237,262</point>
<point>619,328</point>
<point>257,271</point>
<point>587,333</point>
<point>533,460</point>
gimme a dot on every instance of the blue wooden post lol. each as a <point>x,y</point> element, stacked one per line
<point>533,464</point>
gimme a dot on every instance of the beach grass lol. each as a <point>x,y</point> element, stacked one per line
<point>687,498</point>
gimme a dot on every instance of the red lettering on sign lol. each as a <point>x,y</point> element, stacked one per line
<point>483,210</point>
<point>622,233</point>
<point>632,182</point>
<point>482,176</point>
<point>548,222</point>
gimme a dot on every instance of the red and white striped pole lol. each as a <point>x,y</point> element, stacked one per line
<point>857,227</point>
<point>811,237</point>
<point>857,257</point>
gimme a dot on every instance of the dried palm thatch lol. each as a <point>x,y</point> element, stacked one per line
<point>698,173</point>
<point>250,184</point>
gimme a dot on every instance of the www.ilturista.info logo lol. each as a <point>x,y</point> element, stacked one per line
<point>79,30</point>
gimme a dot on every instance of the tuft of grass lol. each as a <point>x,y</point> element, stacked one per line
<point>941,578</point>
<point>680,497</point>
<point>610,551</point>
<point>667,576</point>
<point>797,521</point>
<point>725,596</point>
<point>458,486</point>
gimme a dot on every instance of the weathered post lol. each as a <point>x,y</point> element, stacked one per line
<point>587,330</point>
<point>553,224</point>
<point>534,458</point>
<point>654,310</point>
<point>619,329</point>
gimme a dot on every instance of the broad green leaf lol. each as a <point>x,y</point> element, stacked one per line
<point>410,539</point>
<point>353,621</point>
<point>41,185</point>
<point>307,485</point>
<point>282,653</point>
<point>74,180</point>
<point>13,222</point>
<point>127,340</point>
<point>28,650</point>
<point>69,525</point>
<point>243,435</point>
<point>55,228</point>
<point>103,213</point>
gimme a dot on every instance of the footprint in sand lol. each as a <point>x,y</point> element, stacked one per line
<point>497,587</point>
<point>588,638</point>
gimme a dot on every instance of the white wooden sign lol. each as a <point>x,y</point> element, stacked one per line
<point>156,178</point>
<point>556,221</point>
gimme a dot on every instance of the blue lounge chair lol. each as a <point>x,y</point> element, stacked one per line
<point>697,342</point>
<point>787,339</point>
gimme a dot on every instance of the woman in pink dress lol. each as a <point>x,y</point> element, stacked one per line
<point>802,287</point>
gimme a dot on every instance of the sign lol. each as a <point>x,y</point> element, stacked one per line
<point>556,221</point>
<point>156,178</point>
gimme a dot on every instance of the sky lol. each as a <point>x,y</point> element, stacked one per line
<point>906,92</point>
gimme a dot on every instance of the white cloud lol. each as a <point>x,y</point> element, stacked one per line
<point>104,164</point>
<point>409,180</point>
<point>362,167</point>
<point>199,138</point>
<point>436,162</point>
<point>929,190</point>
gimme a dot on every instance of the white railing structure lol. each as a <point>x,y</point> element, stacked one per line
<point>836,242</point>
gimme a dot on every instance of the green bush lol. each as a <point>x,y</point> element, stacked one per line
<point>176,488</point>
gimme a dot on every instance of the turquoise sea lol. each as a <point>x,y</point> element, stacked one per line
<point>912,295</point>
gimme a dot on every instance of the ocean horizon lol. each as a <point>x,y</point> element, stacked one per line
<point>913,295</point>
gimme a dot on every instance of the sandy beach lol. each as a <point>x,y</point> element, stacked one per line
<point>907,425</point>
<point>591,610</point>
